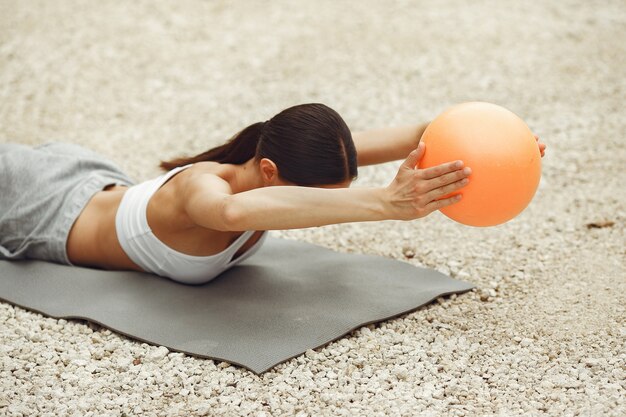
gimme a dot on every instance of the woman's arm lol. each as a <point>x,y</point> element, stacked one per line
<point>412,194</point>
<point>292,207</point>
<point>377,146</point>
<point>209,204</point>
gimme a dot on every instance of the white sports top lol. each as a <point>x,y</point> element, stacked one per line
<point>152,255</point>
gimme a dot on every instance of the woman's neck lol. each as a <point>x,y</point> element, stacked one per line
<point>244,177</point>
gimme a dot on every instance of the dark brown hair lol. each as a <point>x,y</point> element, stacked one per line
<point>309,143</point>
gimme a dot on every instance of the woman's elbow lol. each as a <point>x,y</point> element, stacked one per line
<point>221,214</point>
<point>232,216</point>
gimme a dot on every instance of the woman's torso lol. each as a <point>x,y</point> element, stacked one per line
<point>93,240</point>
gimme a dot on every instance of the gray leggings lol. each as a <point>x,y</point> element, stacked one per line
<point>43,189</point>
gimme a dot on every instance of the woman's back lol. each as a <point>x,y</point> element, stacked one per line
<point>94,239</point>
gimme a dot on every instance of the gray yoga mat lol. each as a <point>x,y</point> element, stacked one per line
<point>289,297</point>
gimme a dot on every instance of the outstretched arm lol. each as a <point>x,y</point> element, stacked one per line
<point>413,193</point>
<point>377,146</point>
<point>209,203</point>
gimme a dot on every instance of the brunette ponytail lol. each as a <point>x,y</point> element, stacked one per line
<point>239,149</point>
<point>310,144</point>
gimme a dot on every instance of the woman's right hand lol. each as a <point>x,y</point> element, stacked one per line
<point>416,193</point>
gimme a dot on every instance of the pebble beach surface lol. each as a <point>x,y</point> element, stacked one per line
<point>542,334</point>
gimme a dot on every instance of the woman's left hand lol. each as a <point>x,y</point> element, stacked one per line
<point>542,146</point>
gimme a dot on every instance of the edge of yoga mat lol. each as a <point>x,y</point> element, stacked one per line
<point>256,371</point>
<point>263,360</point>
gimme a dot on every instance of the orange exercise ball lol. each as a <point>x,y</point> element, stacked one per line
<point>501,151</point>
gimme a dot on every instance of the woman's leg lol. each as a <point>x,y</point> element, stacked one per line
<point>66,148</point>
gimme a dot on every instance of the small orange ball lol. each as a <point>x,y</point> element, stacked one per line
<point>501,151</point>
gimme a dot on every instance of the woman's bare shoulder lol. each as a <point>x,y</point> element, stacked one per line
<point>209,171</point>
<point>202,191</point>
<point>209,167</point>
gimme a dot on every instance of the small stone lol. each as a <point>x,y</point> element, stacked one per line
<point>519,274</point>
<point>591,362</point>
<point>155,394</point>
<point>408,252</point>
<point>438,394</point>
<point>526,342</point>
<point>401,374</point>
<point>110,347</point>
<point>35,337</point>
<point>47,355</point>
<point>123,363</point>
<point>463,274</point>
<point>79,362</point>
<point>158,353</point>
<point>206,392</point>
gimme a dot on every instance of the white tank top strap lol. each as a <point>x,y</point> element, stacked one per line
<point>155,184</point>
<point>163,178</point>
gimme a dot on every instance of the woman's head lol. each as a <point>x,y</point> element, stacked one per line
<point>310,144</point>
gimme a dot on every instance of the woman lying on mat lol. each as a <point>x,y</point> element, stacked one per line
<point>64,203</point>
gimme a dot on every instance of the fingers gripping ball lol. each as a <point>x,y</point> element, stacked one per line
<point>502,153</point>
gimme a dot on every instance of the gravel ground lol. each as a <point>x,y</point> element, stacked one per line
<point>142,81</point>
